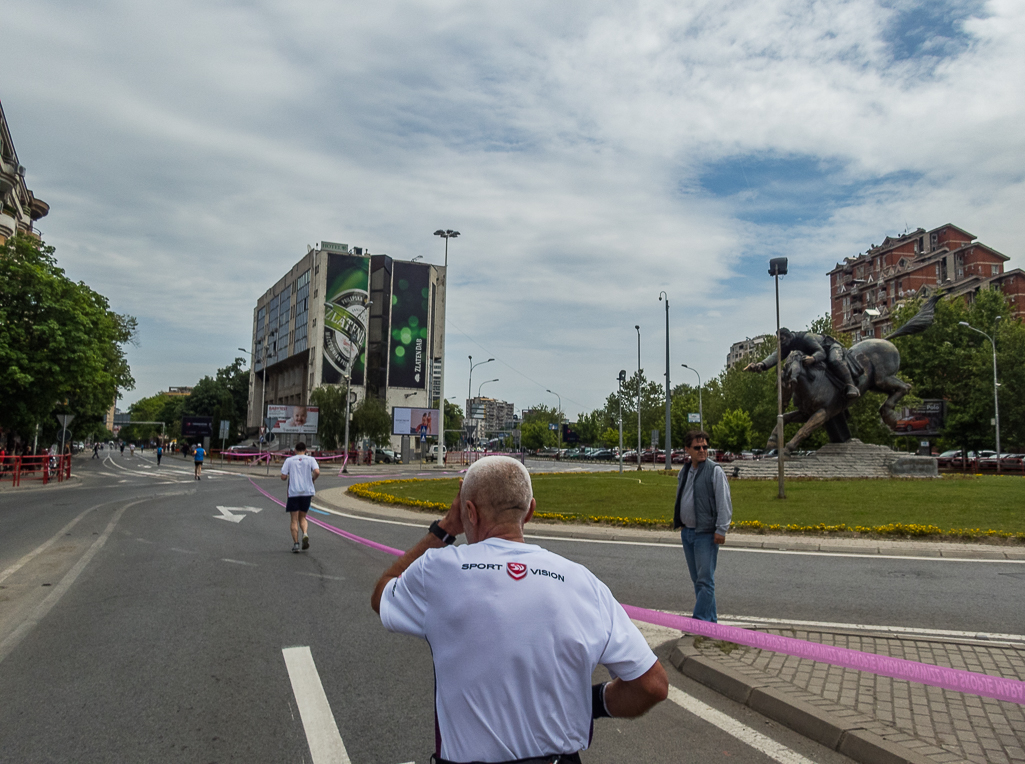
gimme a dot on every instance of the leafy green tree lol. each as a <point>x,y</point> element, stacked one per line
<point>733,431</point>
<point>371,420</point>
<point>534,430</point>
<point>453,424</point>
<point>330,399</point>
<point>60,344</point>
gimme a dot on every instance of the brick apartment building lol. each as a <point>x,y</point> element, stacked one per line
<point>865,290</point>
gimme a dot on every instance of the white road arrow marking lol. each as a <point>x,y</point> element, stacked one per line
<point>226,513</point>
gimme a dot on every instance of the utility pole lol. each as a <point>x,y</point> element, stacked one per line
<point>777,268</point>
<point>669,421</point>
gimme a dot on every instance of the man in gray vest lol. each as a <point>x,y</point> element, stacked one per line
<point>703,512</point>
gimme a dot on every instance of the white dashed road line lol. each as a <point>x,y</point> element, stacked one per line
<point>743,733</point>
<point>326,746</point>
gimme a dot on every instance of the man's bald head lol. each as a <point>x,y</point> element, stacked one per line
<point>496,484</point>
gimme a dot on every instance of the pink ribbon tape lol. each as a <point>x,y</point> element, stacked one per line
<point>958,680</point>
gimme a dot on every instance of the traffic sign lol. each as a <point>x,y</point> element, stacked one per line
<point>225,424</point>
<point>65,419</point>
<point>694,417</point>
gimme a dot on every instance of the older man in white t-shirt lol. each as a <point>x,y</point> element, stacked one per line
<point>515,631</point>
<point>300,471</point>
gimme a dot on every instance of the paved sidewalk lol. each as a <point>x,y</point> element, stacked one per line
<point>920,723</point>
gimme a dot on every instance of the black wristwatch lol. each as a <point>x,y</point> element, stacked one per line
<point>441,533</point>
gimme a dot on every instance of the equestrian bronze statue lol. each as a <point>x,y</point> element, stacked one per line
<point>823,378</point>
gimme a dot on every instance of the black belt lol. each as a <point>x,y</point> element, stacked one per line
<point>555,758</point>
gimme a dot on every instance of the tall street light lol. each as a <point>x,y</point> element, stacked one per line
<point>348,402</point>
<point>777,268</point>
<point>446,234</point>
<point>263,389</point>
<point>486,382</point>
<point>669,421</point>
<point>996,397</point>
<point>638,328</point>
<point>701,411</point>
<point>622,379</point>
<point>469,383</point>
<point>560,419</point>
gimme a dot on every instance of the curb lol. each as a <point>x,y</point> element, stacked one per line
<point>847,738</point>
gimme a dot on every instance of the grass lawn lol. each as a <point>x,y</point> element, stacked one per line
<point>986,502</point>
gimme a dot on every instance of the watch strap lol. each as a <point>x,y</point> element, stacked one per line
<point>441,533</point>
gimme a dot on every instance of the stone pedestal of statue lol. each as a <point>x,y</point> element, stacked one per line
<point>852,459</point>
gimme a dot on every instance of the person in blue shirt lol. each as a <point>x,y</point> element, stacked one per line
<point>199,455</point>
<point>160,452</point>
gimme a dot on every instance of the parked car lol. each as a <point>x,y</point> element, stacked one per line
<point>602,454</point>
<point>385,456</point>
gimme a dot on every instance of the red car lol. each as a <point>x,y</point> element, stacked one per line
<point>910,425</point>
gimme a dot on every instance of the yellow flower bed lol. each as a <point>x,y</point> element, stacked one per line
<point>902,530</point>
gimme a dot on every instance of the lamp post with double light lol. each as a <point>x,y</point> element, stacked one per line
<point>996,385</point>
<point>446,234</point>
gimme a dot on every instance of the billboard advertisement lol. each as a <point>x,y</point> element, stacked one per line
<point>287,419</point>
<point>407,346</point>
<point>925,419</point>
<point>409,421</point>
<point>346,316</point>
<point>197,426</point>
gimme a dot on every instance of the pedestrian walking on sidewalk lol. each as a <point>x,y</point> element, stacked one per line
<point>703,513</point>
<point>515,631</point>
<point>301,471</point>
<point>198,456</point>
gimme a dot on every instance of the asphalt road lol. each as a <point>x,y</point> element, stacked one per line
<point>151,628</point>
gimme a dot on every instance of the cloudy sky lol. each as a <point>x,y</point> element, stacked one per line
<point>591,153</point>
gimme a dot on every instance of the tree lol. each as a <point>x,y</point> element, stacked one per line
<point>371,420</point>
<point>733,432</point>
<point>330,399</point>
<point>534,430</point>
<point>60,344</point>
<point>453,424</point>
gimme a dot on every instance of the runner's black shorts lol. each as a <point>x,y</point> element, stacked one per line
<point>298,504</point>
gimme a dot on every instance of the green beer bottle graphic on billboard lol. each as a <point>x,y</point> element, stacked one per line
<point>346,315</point>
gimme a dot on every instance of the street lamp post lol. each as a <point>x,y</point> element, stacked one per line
<point>469,383</point>
<point>263,391</point>
<point>486,382</point>
<point>777,268</point>
<point>622,379</point>
<point>996,397</point>
<point>669,421</point>
<point>560,419</point>
<point>701,411</point>
<point>348,402</point>
<point>638,328</point>
<point>446,234</point>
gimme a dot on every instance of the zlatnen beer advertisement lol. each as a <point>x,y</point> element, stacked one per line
<point>411,289</point>
<point>346,316</point>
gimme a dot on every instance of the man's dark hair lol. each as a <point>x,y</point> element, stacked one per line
<point>693,435</point>
<point>300,446</point>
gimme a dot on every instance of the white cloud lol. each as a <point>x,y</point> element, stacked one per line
<point>191,152</point>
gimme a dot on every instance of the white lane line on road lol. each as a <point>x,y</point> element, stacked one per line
<point>676,547</point>
<point>15,637</point>
<point>239,562</point>
<point>45,545</point>
<point>743,733</point>
<point>320,575</point>
<point>326,746</point>
<point>743,621</point>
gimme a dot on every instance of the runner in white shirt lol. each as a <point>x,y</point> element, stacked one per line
<point>515,631</point>
<point>300,471</point>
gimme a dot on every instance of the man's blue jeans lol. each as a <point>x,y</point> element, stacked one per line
<point>702,553</point>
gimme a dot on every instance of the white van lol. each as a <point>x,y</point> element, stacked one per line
<point>432,455</point>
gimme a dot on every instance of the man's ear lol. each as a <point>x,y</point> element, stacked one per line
<point>472,514</point>
<point>530,512</point>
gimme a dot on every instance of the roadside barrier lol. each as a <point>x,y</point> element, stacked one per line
<point>984,685</point>
<point>42,467</point>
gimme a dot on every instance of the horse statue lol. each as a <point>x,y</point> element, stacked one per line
<point>818,394</point>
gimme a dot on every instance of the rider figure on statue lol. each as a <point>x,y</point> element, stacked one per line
<point>816,348</point>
